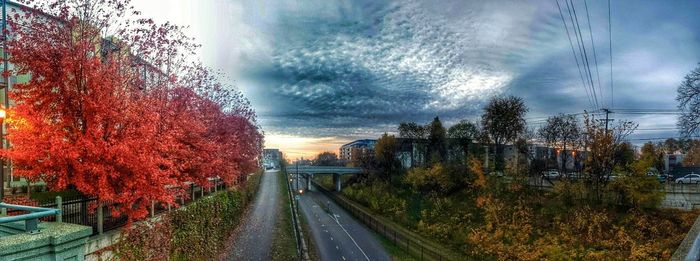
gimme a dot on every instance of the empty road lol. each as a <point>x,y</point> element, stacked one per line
<point>253,239</point>
<point>338,235</point>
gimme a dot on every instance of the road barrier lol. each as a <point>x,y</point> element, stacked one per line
<point>302,245</point>
<point>402,240</point>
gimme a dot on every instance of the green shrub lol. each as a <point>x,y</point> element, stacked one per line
<point>195,232</point>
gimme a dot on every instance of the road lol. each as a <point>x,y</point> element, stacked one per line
<point>253,239</point>
<point>338,236</point>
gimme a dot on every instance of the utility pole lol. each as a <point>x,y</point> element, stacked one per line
<point>607,118</point>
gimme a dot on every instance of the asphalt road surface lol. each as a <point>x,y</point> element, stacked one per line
<point>253,239</point>
<point>338,235</point>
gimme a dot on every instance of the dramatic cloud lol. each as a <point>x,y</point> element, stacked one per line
<point>354,69</point>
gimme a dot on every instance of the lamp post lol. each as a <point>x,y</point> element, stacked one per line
<point>3,114</point>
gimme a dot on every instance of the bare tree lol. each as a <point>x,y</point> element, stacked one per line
<point>412,130</point>
<point>689,103</point>
<point>463,130</point>
<point>561,132</point>
<point>503,121</point>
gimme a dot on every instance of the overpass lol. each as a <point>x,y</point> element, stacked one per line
<point>335,170</point>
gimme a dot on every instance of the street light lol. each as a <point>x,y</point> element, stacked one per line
<point>3,115</point>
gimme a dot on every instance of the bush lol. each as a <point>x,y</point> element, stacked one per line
<point>195,232</point>
<point>378,197</point>
<point>434,179</point>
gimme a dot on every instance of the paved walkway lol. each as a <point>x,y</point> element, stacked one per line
<point>253,239</point>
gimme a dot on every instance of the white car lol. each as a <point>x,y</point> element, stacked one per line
<point>552,174</point>
<point>688,179</point>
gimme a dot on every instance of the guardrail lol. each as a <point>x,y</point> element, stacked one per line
<point>302,245</point>
<point>402,240</point>
<point>694,252</point>
<point>31,219</point>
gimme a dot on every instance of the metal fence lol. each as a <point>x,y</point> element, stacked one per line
<point>98,215</point>
<point>402,240</point>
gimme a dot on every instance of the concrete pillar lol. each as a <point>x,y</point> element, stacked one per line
<point>308,182</point>
<point>59,206</point>
<point>100,219</point>
<point>336,182</point>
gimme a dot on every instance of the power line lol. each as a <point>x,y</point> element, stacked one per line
<point>612,93</point>
<point>561,14</point>
<point>595,56</point>
<point>582,48</point>
<point>663,138</point>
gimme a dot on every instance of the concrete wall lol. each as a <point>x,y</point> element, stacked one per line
<point>54,242</point>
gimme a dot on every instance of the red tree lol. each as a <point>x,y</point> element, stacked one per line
<point>125,119</point>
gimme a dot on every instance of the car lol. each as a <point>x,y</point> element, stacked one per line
<point>662,178</point>
<point>689,179</point>
<point>497,174</point>
<point>551,174</point>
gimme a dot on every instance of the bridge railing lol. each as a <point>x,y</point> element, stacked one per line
<point>31,219</point>
<point>402,240</point>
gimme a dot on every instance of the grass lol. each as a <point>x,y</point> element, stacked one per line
<point>394,251</point>
<point>284,242</point>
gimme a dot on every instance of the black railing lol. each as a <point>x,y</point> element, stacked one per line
<point>85,211</point>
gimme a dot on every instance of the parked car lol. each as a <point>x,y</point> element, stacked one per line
<point>551,174</point>
<point>688,179</point>
<point>497,174</point>
<point>663,178</point>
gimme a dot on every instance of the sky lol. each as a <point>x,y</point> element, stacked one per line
<point>321,73</point>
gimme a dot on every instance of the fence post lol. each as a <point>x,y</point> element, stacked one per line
<point>59,206</point>
<point>201,190</point>
<point>192,189</point>
<point>100,219</point>
<point>153,208</point>
<point>83,211</point>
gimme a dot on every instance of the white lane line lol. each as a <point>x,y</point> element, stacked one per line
<point>331,238</point>
<point>343,257</point>
<point>351,238</point>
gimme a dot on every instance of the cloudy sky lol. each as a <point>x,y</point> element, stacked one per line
<point>323,72</point>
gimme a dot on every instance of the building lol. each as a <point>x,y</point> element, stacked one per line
<point>357,148</point>
<point>107,48</point>
<point>272,157</point>
<point>672,161</point>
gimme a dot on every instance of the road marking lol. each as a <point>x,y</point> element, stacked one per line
<point>351,238</point>
<point>343,257</point>
<point>336,247</point>
<point>331,238</point>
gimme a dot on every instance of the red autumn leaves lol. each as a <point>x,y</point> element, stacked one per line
<point>129,128</point>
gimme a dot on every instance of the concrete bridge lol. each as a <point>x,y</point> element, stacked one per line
<point>309,171</point>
